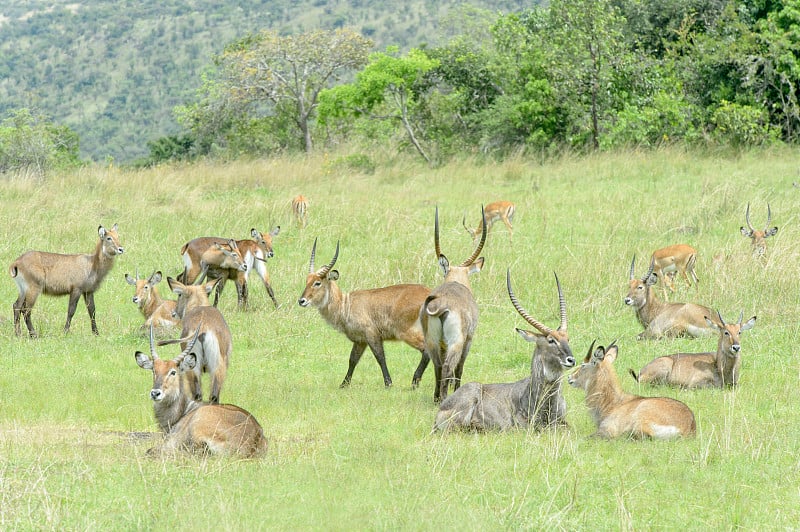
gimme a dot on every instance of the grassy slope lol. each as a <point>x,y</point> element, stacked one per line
<point>364,457</point>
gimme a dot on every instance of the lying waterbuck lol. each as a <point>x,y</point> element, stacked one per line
<point>157,312</point>
<point>215,258</point>
<point>214,346</point>
<point>190,425</point>
<point>618,413</point>
<point>368,317</point>
<point>449,317</point>
<point>673,260</point>
<point>498,210</point>
<point>701,370</point>
<point>55,274</point>
<point>535,400</point>
<point>661,319</point>
<point>758,238</point>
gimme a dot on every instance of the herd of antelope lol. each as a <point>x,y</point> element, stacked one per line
<point>440,323</point>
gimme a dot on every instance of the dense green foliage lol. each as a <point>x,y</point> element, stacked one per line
<point>31,145</point>
<point>76,418</point>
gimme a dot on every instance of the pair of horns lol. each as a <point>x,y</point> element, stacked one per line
<point>475,253</point>
<point>649,270</point>
<point>747,217</point>
<point>544,329</point>
<point>325,269</point>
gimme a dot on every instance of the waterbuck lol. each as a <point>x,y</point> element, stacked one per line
<point>498,210</point>
<point>214,346</point>
<point>758,238</point>
<point>702,370</point>
<point>673,260</point>
<point>368,317</point>
<point>534,401</point>
<point>449,317</point>
<point>661,319</point>
<point>156,311</point>
<point>190,425</point>
<point>215,258</point>
<point>55,274</point>
<point>620,414</point>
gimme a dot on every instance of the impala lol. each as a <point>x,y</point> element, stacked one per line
<point>300,210</point>
<point>368,317</point>
<point>55,274</point>
<point>214,346</point>
<point>702,370</point>
<point>673,260</point>
<point>620,414</point>
<point>190,425</point>
<point>498,210</point>
<point>536,400</point>
<point>758,238</point>
<point>156,311</point>
<point>661,319</point>
<point>449,317</point>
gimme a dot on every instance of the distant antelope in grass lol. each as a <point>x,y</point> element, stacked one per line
<point>702,370</point>
<point>620,414</point>
<point>661,319</point>
<point>758,238</point>
<point>535,400</point>
<point>214,346</point>
<point>157,312</point>
<point>55,274</point>
<point>449,317</point>
<point>673,260</point>
<point>498,210</point>
<point>190,425</point>
<point>368,317</point>
<point>300,210</point>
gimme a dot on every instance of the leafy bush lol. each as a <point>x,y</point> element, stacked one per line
<point>666,119</point>
<point>32,145</point>
<point>742,125</point>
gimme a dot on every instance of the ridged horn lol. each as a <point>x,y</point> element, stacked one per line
<point>544,329</point>
<point>633,265</point>
<point>313,253</point>
<point>325,269</point>
<point>436,234</point>
<point>747,218</point>
<point>650,269</point>
<point>191,343</point>
<point>153,354</point>
<point>769,218</point>
<point>477,251</point>
<point>562,305</point>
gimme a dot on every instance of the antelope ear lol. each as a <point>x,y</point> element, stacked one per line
<point>599,354</point>
<point>130,280</point>
<point>529,336</point>
<point>711,323</point>
<point>209,286</point>
<point>746,232</point>
<point>175,286</point>
<point>101,231</point>
<point>333,275</point>
<point>143,360</point>
<point>189,362</point>
<point>254,233</point>
<point>275,231</point>
<point>155,278</point>
<point>653,279</point>
<point>476,266</point>
<point>749,324</point>
<point>444,263</point>
<point>770,232</point>
<point>611,354</point>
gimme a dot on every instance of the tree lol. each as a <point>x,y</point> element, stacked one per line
<point>388,79</point>
<point>30,143</point>
<point>290,71</point>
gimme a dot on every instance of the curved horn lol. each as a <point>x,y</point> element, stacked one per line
<point>153,354</point>
<point>633,265</point>
<point>477,251</point>
<point>562,304</point>
<point>436,234</point>
<point>591,350</point>
<point>544,329</point>
<point>313,252</point>
<point>769,218</point>
<point>325,269</point>
<point>747,217</point>
<point>191,343</point>
<point>722,321</point>
<point>464,223</point>
<point>650,269</point>
<point>741,317</point>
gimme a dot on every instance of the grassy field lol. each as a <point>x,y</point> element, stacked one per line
<point>75,416</point>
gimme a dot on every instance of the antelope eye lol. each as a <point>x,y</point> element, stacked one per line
<point>317,284</point>
<point>551,341</point>
<point>172,373</point>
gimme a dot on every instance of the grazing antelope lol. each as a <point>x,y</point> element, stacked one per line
<point>758,238</point>
<point>661,319</point>
<point>498,210</point>
<point>157,312</point>
<point>449,317</point>
<point>55,274</point>
<point>368,317</point>
<point>620,414</point>
<point>215,345</point>
<point>673,260</point>
<point>190,425</point>
<point>701,370</point>
<point>535,400</point>
<point>300,210</point>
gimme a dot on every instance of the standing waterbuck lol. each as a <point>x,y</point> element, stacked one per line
<point>536,400</point>
<point>156,311</point>
<point>214,346</point>
<point>661,319</point>
<point>702,370</point>
<point>758,239</point>
<point>215,258</point>
<point>55,274</point>
<point>670,261</point>
<point>620,414</point>
<point>190,425</point>
<point>368,317</point>
<point>498,210</point>
<point>449,317</point>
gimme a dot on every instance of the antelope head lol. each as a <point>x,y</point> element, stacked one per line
<point>758,238</point>
<point>317,290</point>
<point>729,334</point>
<point>638,288</point>
<point>167,373</point>
<point>473,264</point>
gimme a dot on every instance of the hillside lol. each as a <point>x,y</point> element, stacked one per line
<point>112,70</point>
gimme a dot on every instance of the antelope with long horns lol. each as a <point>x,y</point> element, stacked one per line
<point>368,317</point>
<point>190,425</point>
<point>449,317</point>
<point>535,401</point>
<point>758,238</point>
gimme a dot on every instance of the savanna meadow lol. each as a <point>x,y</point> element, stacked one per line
<point>77,420</point>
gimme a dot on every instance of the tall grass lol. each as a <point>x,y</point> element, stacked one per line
<point>74,410</point>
